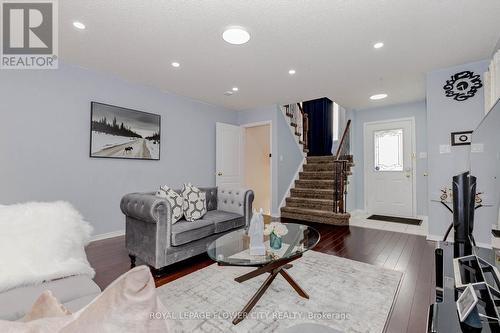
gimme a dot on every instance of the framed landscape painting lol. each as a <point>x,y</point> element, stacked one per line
<point>118,132</point>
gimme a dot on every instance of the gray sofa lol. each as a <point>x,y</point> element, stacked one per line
<point>74,292</point>
<point>151,237</point>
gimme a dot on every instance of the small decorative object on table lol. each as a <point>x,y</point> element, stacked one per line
<point>256,234</point>
<point>276,231</point>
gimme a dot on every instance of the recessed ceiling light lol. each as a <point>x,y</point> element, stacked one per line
<point>235,89</point>
<point>378,45</point>
<point>292,71</point>
<point>79,25</point>
<point>378,96</point>
<point>176,64</point>
<point>236,35</point>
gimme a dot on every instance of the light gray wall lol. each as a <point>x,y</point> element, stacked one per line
<point>289,154</point>
<point>286,155</point>
<point>360,117</point>
<point>45,133</point>
<point>445,115</point>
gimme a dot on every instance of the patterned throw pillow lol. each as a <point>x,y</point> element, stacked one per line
<point>195,203</point>
<point>175,200</point>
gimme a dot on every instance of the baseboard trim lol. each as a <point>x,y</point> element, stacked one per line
<point>439,239</point>
<point>107,235</point>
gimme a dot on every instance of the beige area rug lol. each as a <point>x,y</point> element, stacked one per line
<point>347,295</point>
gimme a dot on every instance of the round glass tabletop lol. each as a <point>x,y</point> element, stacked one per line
<point>234,248</point>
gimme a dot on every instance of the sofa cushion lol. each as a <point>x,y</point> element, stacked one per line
<point>126,305</point>
<point>175,200</point>
<point>224,221</point>
<point>211,196</point>
<point>46,306</point>
<point>16,302</point>
<point>195,202</point>
<point>185,232</point>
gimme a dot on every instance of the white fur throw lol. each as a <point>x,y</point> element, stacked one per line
<point>41,242</point>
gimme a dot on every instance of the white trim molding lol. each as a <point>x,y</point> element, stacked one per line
<point>439,239</point>
<point>107,235</point>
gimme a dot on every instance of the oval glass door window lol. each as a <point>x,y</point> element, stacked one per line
<point>388,150</point>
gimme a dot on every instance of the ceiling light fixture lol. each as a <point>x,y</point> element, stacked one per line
<point>79,25</point>
<point>378,96</point>
<point>292,71</point>
<point>378,45</point>
<point>176,64</point>
<point>235,89</point>
<point>236,36</point>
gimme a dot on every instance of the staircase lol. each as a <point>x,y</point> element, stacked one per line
<point>319,195</point>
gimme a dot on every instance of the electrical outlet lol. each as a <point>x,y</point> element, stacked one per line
<point>444,149</point>
<point>477,148</point>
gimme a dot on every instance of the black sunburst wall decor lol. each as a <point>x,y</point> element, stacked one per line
<point>462,86</point>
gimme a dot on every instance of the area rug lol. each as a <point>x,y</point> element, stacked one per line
<point>346,295</point>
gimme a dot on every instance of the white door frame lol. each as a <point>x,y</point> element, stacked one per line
<point>243,171</point>
<point>413,159</point>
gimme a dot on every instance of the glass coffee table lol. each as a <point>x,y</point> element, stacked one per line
<point>233,249</point>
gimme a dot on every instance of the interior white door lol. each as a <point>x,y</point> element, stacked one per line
<point>228,155</point>
<point>389,168</point>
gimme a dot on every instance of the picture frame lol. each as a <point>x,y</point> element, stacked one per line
<point>461,138</point>
<point>123,133</point>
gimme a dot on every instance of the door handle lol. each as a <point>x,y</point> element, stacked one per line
<point>219,174</point>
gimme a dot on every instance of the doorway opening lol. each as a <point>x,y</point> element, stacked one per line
<point>257,163</point>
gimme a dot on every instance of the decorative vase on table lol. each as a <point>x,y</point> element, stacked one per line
<point>275,231</point>
<point>275,241</point>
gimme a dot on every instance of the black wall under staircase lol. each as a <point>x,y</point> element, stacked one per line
<point>320,113</point>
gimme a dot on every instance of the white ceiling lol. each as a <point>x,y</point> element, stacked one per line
<point>328,42</point>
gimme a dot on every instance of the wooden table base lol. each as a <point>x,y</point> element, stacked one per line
<point>274,268</point>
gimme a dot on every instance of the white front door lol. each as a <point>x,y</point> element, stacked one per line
<point>228,155</point>
<point>389,167</point>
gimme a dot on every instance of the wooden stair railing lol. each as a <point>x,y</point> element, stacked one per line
<point>305,127</point>
<point>300,122</point>
<point>340,171</point>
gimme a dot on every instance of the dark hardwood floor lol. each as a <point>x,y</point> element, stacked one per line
<point>411,254</point>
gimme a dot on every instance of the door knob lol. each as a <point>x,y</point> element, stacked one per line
<point>219,174</point>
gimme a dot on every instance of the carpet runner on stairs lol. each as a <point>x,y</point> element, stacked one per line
<point>312,198</point>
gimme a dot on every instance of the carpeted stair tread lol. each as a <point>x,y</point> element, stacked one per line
<point>314,215</point>
<point>314,184</point>
<point>307,211</point>
<point>312,193</point>
<point>304,175</point>
<point>314,167</point>
<point>310,203</point>
<point>320,159</point>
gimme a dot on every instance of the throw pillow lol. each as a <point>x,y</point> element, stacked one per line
<point>48,240</point>
<point>176,201</point>
<point>129,304</point>
<point>195,202</point>
<point>45,306</point>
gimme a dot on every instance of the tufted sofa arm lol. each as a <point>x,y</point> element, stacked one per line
<point>146,207</point>
<point>236,200</point>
